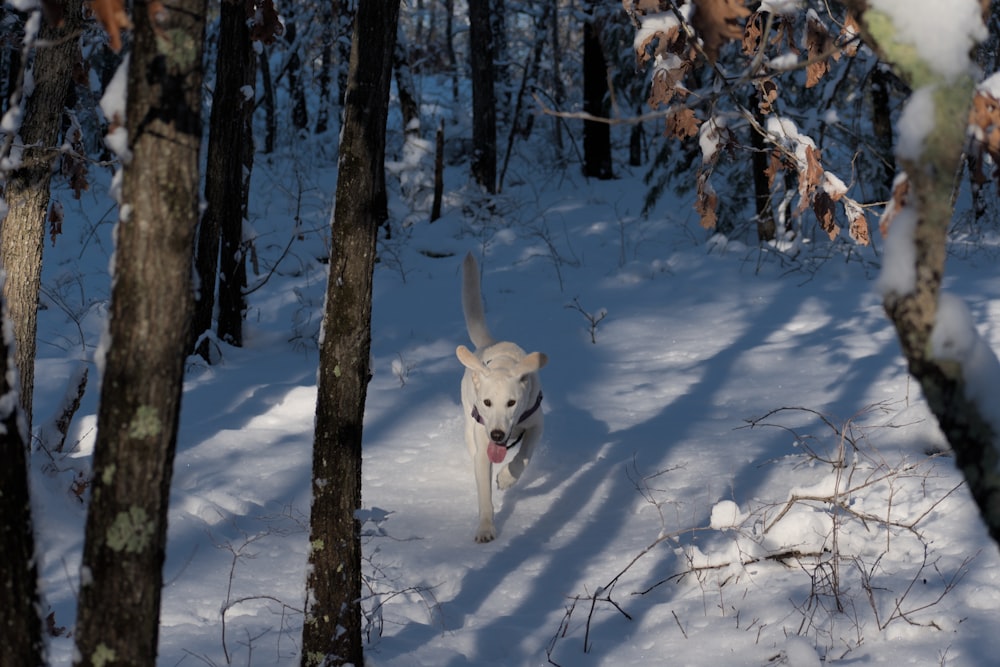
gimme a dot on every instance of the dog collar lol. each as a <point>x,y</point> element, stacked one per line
<point>527,413</point>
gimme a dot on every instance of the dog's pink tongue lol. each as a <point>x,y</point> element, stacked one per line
<point>496,452</point>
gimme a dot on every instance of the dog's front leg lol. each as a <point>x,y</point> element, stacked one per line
<point>484,492</point>
<point>509,475</point>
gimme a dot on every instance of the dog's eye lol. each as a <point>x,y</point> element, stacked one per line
<point>487,402</point>
<point>511,403</point>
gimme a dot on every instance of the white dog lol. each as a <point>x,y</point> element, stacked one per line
<point>502,399</point>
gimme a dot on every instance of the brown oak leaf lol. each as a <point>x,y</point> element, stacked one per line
<point>682,123</point>
<point>774,165</point>
<point>718,22</point>
<point>825,212</point>
<point>810,177</point>
<point>707,201</point>
<point>818,42</point>
<point>767,94</point>
<point>858,228</point>
<point>113,18</point>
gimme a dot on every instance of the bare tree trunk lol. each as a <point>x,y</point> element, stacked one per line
<point>149,325</point>
<point>22,232</point>
<point>269,102</point>
<point>300,115</point>
<point>596,135</point>
<point>405,88</point>
<point>20,623</point>
<point>230,159</point>
<point>331,634</point>
<point>766,229</point>
<point>449,46</point>
<point>328,15</point>
<point>484,111</point>
<point>558,89</point>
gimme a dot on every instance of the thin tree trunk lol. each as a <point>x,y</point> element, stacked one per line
<point>227,183</point>
<point>484,112</point>
<point>326,64</point>
<point>766,229</point>
<point>268,99</point>
<point>20,623</point>
<point>596,135</point>
<point>230,157</point>
<point>22,232</point>
<point>449,46</point>
<point>331,634</point>
<point>405,88</point>
<point>300,115</point>
<point>558,89</point>
<point>149,323</point>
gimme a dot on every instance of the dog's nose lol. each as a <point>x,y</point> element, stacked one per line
<point>496,435</point>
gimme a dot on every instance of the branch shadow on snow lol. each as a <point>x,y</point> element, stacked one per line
<point>582,467</point>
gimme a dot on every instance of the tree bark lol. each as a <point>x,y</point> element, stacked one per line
<point>332,633</point>
<point>149,323</point>
<point>300,114</point>
<point>230,159</point>
<point>913,311</point>
<point>484,112</point>
<point>22,232</point>
<point>227,201</point>
<point>766,229</point>
<point>20,623</point>
<point>596,135</point>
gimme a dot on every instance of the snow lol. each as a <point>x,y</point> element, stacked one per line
<point>915,123</point>
<point>646,468</point>
<point>780,6</point>
<point>943,42</point>
<point>956,338</point>
<point>899,269</point>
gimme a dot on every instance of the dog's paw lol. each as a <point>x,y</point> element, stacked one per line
<point>486,533</point>
<point>505,480</point>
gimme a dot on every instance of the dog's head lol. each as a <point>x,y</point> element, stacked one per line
<point>503,389</point>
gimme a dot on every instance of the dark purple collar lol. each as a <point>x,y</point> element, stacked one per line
<point>527,413</point>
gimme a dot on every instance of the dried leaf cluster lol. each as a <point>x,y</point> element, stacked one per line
<point>672,43</point>
<point>984,149</point>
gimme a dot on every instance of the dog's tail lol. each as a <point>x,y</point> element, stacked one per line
<point>472,304</point>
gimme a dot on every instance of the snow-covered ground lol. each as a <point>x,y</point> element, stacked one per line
<point>736,468</point>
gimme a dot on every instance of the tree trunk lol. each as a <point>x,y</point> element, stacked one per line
<point>269,102</point>
<point>22,232</point>
<point>149,323</point>
<point>228,200</point>
<point>300,115</point>
<point>345,11</point>
<point>596,135</point>
<point>449,46</point>
<point>230,159</point>
<point>558,89</point>
<point>328,17</point>
<point>484,112</point>
<point>881,82</point>
<point>331,634</point>
<point>405,88</point>
<point>913,308</point>
<point>20,624</point>
<point>766,229</point>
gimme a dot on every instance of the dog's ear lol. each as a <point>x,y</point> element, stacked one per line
<point>469,360</point>
<point>531,363</point>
